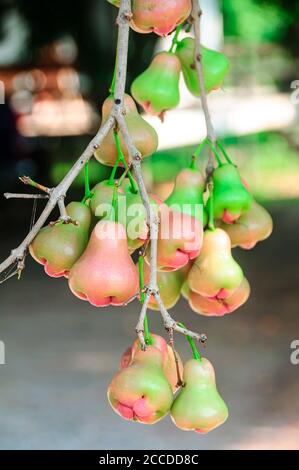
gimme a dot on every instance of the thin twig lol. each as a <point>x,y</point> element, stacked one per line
<point>63,213</point>
<point>140,324</point>
<point>25,196</point>
<point>29,182</point>
<point>176,360</point>
<point>171,324</point>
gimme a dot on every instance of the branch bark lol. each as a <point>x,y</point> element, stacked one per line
<point>211,134</point>
<point>152,216</point>
<point>25,196</point>
<point>196,16</point>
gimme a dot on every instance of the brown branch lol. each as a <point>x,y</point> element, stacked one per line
<point>211,134</point>
<point>29,182</point>
<point>63,214</point>
<point>170,324</point>
<point>140,324</point>
<point>151,211</point>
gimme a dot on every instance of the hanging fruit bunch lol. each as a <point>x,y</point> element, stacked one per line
<point>157,88</point>
<point>183,244</point>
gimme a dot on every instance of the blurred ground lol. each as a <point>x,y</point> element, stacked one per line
<point>61,354</point>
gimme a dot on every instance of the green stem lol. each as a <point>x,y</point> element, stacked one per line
<point>113,173</point>
<point>88,193</point>
<point>197,153</point>
<point>112,215</point>
<point>196,354</point>
<point>86,179</point>
<point>211,223</point>
<point>148,339</point>
<point>175,38</point>
<point>122,178</point>
<point>121,159</point>
<point>224,152</point>
<point>133,183</point>
<point>118,146</point>
<point>214,150</point>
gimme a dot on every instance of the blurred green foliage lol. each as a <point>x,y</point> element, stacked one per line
<point>256,21</point>
<point>266,160</point>
<point>97,172</point>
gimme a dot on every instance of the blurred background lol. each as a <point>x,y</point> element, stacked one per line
<point>56,65</point>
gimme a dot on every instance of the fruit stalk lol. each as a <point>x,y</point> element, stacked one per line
<point>175,37</point>
<point>88,193</point>
<point>196,354</point>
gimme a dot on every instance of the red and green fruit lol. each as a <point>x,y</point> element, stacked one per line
<point>105,274</point>
<point>57,247</point>
<point>231,198</point>
<point>157,88</point>
<point>187,194</point>
<point>217,307</point>
<point>102,197</point>
<point>141,392</point>
<point>199,406</point>
<point>250,228</point>
<point>157,16</point>
<point>215,274</point>
<point>215,66</point>
<point>135,217</point>
<point>179,239</point>
<point>169,363</point>
<point>143,134</point>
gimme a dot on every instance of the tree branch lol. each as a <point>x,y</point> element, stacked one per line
<point>151,211</point>
<point>25,196</point>
<point>211,134</point>
<point>170,324</point>
<point>140,324</point>
<point>19,253</point>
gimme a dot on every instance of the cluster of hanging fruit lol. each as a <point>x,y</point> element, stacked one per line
<point>195,260</point>
<point>212,281</point>
<point>157,88</point>
<point>143,390</point>
<point>93,246</point>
